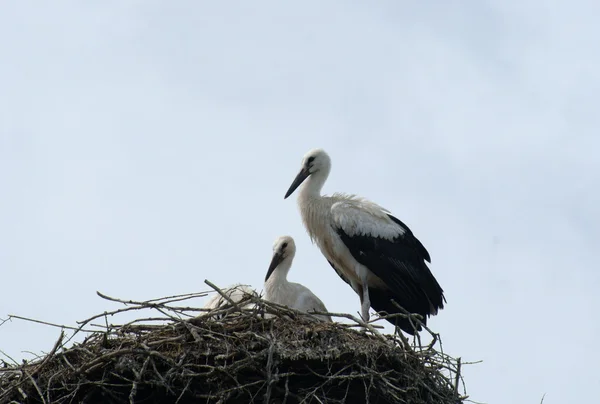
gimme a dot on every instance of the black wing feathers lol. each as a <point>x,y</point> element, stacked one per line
<point>381,302</point>
<point>419,247</point>
<point>399,263</point>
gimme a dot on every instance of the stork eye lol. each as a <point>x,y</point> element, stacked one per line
<point>310,159</point>
<point>284,245</point>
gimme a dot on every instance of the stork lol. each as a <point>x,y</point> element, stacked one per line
<point>371,250</point>
<point>279,290</point>
<point>236,293</point>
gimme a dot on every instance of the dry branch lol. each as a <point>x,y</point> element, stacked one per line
<point>233,354</point>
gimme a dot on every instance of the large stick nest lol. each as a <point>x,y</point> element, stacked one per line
<point>234,354</point>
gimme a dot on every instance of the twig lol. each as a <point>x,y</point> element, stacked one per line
<point>37,388</point>
<point>457,377</point>
<point>138,379</point>
<point>9,357</point>
<point>270,378</point>
<point>66,327</point>
<point>176,298</point>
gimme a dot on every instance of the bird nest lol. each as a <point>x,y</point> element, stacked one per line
<point>233,354</point>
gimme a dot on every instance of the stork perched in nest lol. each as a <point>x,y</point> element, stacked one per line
<point>371,250</point>
<point>279,290</point>
<point>236,293</point>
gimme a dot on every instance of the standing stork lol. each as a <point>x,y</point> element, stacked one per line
<point>279,290</point>
<point>371,250</point>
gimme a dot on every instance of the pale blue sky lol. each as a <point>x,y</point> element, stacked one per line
<point>146,146</point>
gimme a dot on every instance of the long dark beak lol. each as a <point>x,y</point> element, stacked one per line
<point>277,258</point>
<point>302,175</point>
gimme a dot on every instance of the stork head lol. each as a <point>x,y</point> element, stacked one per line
<point>284,249</point>
<point>315,162</point>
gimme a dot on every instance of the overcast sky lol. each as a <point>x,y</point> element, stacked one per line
<point>146,146</point>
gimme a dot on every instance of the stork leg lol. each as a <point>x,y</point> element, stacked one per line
<point>357,287</point>
<point>363,292</point>
<point>365,303</point>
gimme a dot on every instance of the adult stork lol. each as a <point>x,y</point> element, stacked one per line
<point>371,250</point>
<point>279,290</point>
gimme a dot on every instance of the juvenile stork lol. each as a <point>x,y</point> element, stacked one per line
<point>236,293</point>
<point>371,250</point>
<point>279,290</point>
